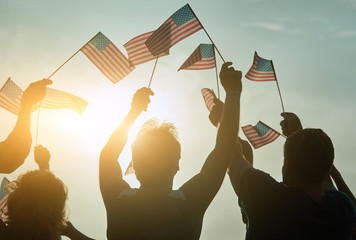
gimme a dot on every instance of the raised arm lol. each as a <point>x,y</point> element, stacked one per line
<point>110,174</point>
<point>16,147</point>
<point>202,188</point>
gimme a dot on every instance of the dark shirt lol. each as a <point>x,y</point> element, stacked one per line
<point>131,215</point>
<point>276,211</point>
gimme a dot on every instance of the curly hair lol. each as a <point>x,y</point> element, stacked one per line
<point>36,206</point>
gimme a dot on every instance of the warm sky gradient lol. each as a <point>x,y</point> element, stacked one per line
<point>312,44</point>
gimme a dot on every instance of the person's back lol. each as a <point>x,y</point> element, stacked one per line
<point>306,205</point>
<point>155,211</point>
<point>152,215</point>
<point>276,211</point>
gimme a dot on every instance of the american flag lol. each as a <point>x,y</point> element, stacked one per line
<point>260,134</point>
<point>180,25</point>
<point>56,99</point>
<point>10,97</point>
<point>202,58</point>
<point>4,193</point>
<point>107,58</point>
<point>261,70</point>
<point>137,50</point>
<point>208,96</point>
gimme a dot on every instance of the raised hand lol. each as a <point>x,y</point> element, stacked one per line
<point>290,124</point>
<point>141,99</point>
<point>230,78</point>
<point>42,157</point>
<point>216,113</point>
<point>35,92</point>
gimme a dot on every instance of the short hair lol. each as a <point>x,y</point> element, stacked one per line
<point>156,142</point>
<point>309,155</point>
<point>36,206</point>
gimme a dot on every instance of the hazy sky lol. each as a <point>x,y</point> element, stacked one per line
<point>312,44</point>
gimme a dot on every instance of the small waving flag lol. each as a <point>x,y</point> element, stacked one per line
<point>260,134</point>
<point>11,94</point>
<point>10,97</point>
<point>56,99</point>
<point>4,193</point>
<point>261,70</point>
<point>137,50</point>
<point>107,58</point>
<point>202,58</point>
<point>180,25</point>
<point>208,96</point>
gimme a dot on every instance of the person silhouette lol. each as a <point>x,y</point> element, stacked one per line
<point>303,206</point>
<point>155,211</point>
<point>36,206</point>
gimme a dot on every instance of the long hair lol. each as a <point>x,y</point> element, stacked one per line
<point>36,206</point>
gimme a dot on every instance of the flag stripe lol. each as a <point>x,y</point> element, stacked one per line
<point>256,75</point>
<point>169,33</point>
<point>257,140</point>
<point>107,58</point>
<point>98,63</point>
<point>137,50</point>
<point>208,96</point>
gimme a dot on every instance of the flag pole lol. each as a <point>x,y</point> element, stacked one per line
<point>38,116</point>
<point>207,33</point>
<point>279,91</point>
<point>154,67</point>
<point>217,78</point>
<point>38,122</point>
<point>72,56</point>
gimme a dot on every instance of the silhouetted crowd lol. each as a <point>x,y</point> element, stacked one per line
<point>312,202</point>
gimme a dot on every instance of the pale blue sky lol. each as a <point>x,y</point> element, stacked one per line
<point>312,44</point>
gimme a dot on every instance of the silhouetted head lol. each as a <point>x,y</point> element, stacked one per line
<point>36,206</point>
<point>156,153</point>
<point>308,157</point>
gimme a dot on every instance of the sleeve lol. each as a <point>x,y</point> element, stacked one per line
<point>259,192</point>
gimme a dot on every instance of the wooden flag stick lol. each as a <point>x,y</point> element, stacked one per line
<point>207,34</point>
<point>279,91</point>
<point>154,67</point>
<point>273,130</point>
<point>38,123</point>
<point>72,56</point>
<point>217,77</point>
<point>38,115</point>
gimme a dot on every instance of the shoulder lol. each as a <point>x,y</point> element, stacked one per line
<point>258,188</point>
<point>340,198</point>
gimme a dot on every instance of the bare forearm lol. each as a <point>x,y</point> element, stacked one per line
<point>17,146</point>
<point>226,136</point>
<point>227,132</point>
